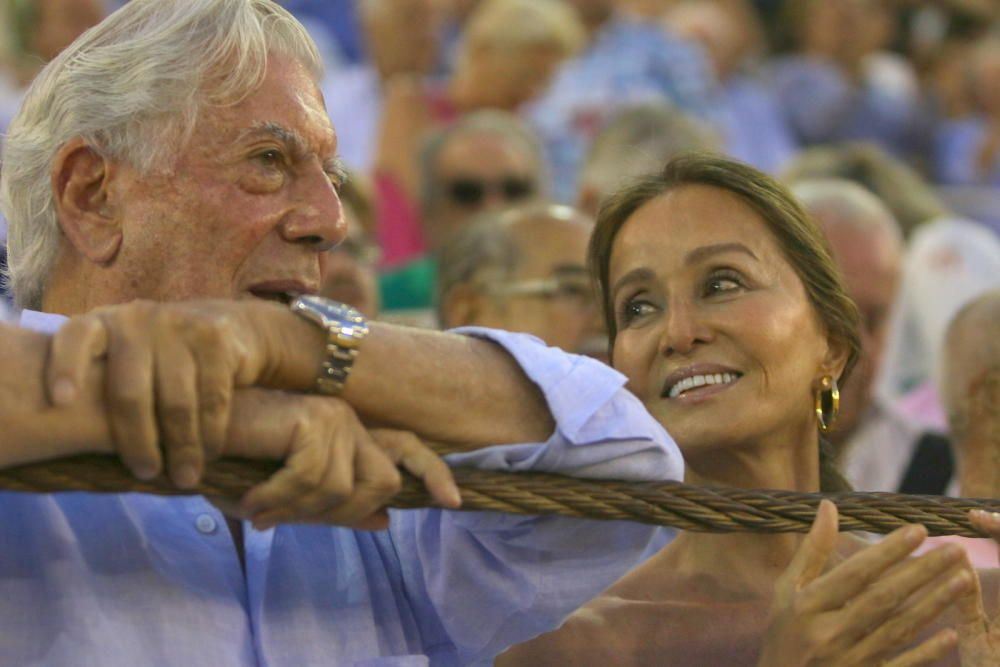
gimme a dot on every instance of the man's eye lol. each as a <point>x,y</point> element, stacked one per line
<point>270,158</point>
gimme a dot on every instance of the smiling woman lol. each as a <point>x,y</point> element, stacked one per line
<point>728,318</point>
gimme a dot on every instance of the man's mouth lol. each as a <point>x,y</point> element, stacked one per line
<point>699,382</point>
<point>280,291</point>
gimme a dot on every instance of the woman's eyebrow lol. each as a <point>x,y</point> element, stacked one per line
<point>699,254</point>
<point>641,274</point>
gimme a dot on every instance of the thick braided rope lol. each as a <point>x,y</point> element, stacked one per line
<point>674,504</point>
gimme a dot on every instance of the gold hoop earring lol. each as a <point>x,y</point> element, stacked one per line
<point>827,403</point>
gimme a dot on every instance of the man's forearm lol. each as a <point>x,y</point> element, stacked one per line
<point>30,429</point>
<point>442,386</point>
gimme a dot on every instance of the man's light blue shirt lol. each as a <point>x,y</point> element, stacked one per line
<point>132,579</point>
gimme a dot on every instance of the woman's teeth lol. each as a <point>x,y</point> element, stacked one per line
<point>700,381</point>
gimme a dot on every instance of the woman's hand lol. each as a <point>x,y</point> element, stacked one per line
<point>170,372</point>
<point>335,470</point>
<point>867,608</point>
<point>979,637</point>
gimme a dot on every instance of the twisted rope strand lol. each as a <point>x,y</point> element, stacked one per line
<point>704,509</point>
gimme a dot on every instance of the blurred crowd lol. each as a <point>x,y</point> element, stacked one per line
<point>483,135</point>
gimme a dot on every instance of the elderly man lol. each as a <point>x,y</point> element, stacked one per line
<point>879,449</point>
<point>523,270</point>
<point>485,161</point>
<point>180,150</point>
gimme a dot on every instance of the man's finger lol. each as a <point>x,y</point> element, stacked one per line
<point>407,450</point>
<point>131,411</point>
<point>177,410</point>
<point>73,348</point>
<point>215,393</point>
<point>302,473</point>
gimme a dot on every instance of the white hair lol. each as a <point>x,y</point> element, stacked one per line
<point>131,88</point>
<point>839,201</point>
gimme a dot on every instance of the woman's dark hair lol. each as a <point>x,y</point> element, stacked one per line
<point>799,237</point>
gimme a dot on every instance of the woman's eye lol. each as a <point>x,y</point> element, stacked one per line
<point>634,309</point>
<point>722,283</point>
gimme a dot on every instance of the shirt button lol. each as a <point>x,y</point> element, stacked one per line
<point>205,524</point>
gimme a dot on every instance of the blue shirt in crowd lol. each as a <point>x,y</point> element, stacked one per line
<point>956,152</point>
<point>132,579</point>
<point>628,63</point>
<point>754,128</point>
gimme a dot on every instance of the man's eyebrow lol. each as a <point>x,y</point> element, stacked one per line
<point>296,143</point>
<point>699,254</point>
<point>639,275</point>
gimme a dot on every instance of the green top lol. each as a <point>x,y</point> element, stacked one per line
<point>410,286</point>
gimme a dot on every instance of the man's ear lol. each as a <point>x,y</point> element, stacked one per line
<point>461,306</point>
<point>81,180</point>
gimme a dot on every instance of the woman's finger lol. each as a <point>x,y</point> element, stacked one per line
<point>177,410</point>
<point>834,589</point>
<point>883,598</point>
<point>408,451</point>
<point>813,553</point>
<point>928,652</point>
<point>73,348</point>
<point>914,614</point>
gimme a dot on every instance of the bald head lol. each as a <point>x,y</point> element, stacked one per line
<point>971,389</point>
<point>867,246</point>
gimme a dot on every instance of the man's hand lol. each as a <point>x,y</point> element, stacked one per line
<point>170,372</point>
<point>866,609</point>
<point>335,470</point>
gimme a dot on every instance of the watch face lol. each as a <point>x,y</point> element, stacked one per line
<point>329,309</point>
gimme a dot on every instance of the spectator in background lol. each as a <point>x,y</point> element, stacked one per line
<point>909,197</point>
<point>842,84</point>
<point>497,68</point>
<point>754,127</point>
<point>637,141</point>
<point>35,32</point>
<point>401,41</point>
<point>350,276</point>
<point>625,62</point>
<point>971,393</point>
<point>949,262</point>
<point>523,269</point>
<point>486,160</point>
<point>877,448</point>
<point>968,149</point>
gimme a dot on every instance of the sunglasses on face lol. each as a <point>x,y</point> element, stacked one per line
<point>472,192</point>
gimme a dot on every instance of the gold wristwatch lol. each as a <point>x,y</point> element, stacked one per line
<point>345,328</point>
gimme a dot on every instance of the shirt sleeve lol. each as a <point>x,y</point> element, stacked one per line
<point>484,581</point>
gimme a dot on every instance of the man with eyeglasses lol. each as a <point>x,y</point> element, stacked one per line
<point>487,160</point>
<point>523,269</point>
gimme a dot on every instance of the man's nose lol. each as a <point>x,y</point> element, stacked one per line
<point>318,218</point>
